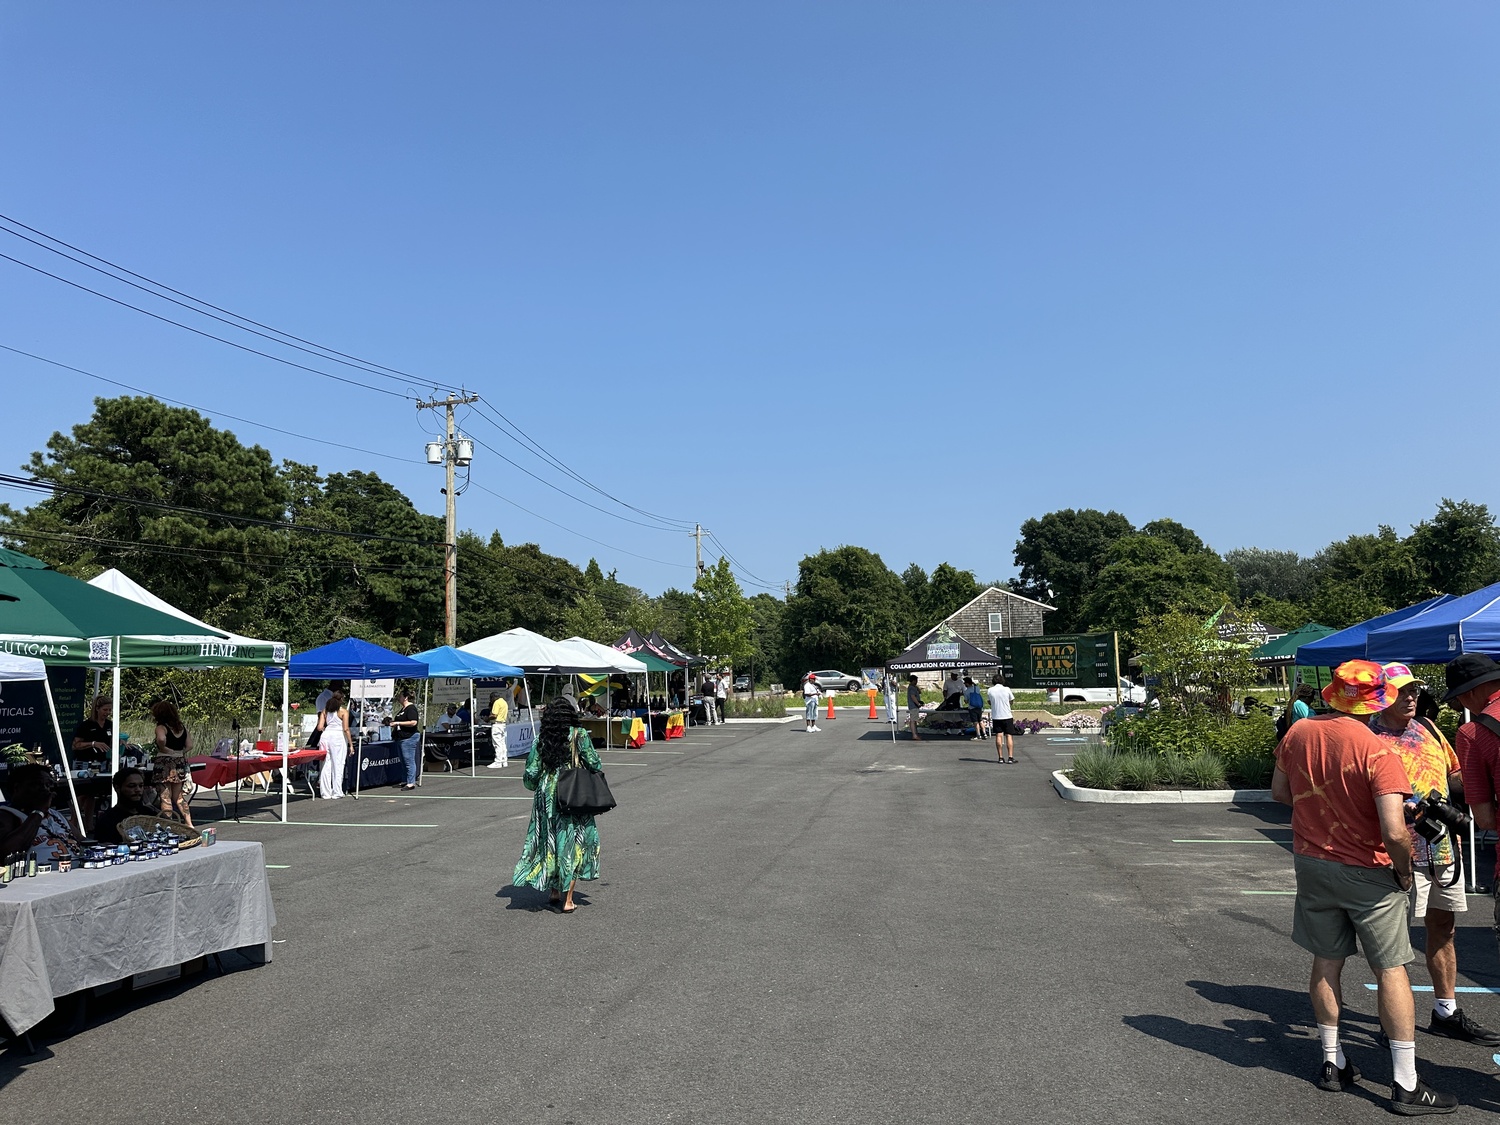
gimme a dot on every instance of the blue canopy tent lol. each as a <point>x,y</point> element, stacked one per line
<point>348,659</point>
<point>448,663</point>
<point>1470,623</point>
<point>1352,643</point>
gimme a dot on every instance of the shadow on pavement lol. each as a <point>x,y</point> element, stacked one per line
<point>524,898</point>
<point>1285,1041</point>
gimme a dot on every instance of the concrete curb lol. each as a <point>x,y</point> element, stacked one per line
<point>788,719</point>
<point>1070,792</point>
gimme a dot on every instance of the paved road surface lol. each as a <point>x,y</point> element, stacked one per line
<point>790,928</point>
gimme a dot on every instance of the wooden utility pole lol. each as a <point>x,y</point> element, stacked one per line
<point>698,538</point>
<point>452,456</point>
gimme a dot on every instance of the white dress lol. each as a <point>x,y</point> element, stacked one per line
<point>331,779</point>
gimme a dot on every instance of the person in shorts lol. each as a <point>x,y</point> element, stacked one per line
<point>1437,892</point>
<point>1002,720</point>
<point>974,701</point>
<point>1352,856</point>
<point>810,692</point>
<point>913,705</point>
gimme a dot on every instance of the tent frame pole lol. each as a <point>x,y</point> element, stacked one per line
<point>284,737</point>
<point>473,751</point>
<point>114,734</point>
<point>422,746</point>
<point>63,750</point>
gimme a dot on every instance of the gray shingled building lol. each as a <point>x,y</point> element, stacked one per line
<point>994,613</point>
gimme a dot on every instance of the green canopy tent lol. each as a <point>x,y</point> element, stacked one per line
<point>62,620</point>
<point>1281,652</point>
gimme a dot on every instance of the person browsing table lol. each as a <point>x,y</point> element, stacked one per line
<point>407,727</point>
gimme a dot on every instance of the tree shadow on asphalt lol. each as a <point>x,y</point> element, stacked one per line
<point>1286,1041</point>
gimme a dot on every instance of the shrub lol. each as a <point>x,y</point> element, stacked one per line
<point>1079,720</point>
<point>1096,768</point>
<point>1206,771</point>
<point>1031,726</point>
<point>761,707</point>
<point>1138,771</point>
<point>1172,770</point>
<point>1253,771</point>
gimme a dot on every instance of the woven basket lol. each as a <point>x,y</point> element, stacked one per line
<point>189,837</point>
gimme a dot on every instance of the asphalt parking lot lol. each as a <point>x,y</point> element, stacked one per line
<point>789,928</point>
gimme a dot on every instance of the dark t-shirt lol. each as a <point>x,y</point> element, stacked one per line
<point>90,731</point>
<point>107,823</point>
<point>408,715</point>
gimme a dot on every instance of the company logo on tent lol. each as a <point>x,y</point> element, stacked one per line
<point>33,648</point>
<point>1452,642</point>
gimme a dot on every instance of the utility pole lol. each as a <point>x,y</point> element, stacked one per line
<point>698,537</point>
<point>788,586</point>
<point>456,450</point>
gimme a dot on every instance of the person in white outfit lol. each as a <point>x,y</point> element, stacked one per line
<point>810,692</point>
<point>499,713</point>
<point>333,725</point>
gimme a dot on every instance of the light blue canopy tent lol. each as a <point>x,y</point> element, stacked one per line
<point>1470,623</point>
<point>448,663</point>
<point>1352,643</point>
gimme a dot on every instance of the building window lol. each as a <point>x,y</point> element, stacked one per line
<point>997,623</point>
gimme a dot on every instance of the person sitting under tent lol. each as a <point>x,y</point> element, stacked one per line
<point>130,788</point>
<point>27,819</point>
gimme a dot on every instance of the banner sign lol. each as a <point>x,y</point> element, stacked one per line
<point>1082,660</point>
<point>24,717</point>
<point>943,650</point>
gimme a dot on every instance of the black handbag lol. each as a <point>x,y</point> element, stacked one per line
<point>581,791</point>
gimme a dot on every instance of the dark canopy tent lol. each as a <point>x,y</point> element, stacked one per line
<point>1470,623</point>
<point>663,647</point>
<point>931,655</point>
<point>1283,650</point>
<point>1352,643</point>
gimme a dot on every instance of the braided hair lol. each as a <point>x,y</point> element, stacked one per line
<point>555,749</point>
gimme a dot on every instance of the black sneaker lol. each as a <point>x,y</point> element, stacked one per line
<point>1333,1079</point>
<point>1424,1099</point>
<point>1460,1026</point>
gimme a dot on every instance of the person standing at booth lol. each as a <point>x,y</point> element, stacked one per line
<point>499,713</point>
<point>334,740</point>
<point>407,728</point>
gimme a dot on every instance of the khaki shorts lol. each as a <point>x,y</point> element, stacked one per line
<point>1337,902</point>
<point>1425,892</point>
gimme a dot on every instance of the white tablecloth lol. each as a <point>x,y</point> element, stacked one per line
<point>63,933</point>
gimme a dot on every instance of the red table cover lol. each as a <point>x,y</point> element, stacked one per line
<point>225,771</point>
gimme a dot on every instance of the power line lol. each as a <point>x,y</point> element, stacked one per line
<point>226,554</point>
<point>275,335</point>
<point>505,425</point>
<point>209,335</point>
<point>571,531</point>
<point>744,570</point>
<point>209,410</point>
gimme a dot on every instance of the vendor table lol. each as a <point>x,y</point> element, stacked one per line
<point>228,771</point>
<point>451,749</point>
<point>62,933</point>
<point>629,730</point>
<point>378,763</point>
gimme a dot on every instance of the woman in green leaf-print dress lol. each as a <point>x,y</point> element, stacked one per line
<point>559,849</point>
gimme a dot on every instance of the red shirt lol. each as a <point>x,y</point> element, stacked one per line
<point>1337,767</point>
<point>1479,753</point>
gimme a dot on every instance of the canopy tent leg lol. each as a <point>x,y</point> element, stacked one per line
<point>285,738</point>
<point>422,746</point>
<point>260,729</point>
<point>359,743</point>
<point>114,748</point>
<point>473,752</point>
<point>63,750</point>
<point>608,711</point>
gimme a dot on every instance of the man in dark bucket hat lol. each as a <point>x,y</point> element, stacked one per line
<point>1470,671</point>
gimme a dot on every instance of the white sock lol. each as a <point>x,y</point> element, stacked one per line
<point>1445,1008</point>
<point>1333,1050</point>
<point>1404,1063</point>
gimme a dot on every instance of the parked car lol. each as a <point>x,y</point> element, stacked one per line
<point>1130,692</point>
<point>742,683</point>
<point>834,680</point>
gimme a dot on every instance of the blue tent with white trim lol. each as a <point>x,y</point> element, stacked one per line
<point>352,659</point>
<point>1470,623</point>
<point>445,661</point>
<point>1352,643</point>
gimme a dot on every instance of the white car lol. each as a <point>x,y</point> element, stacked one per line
<point>834,680</point>
<point>1130,692</point>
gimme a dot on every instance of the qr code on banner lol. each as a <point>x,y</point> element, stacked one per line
<point>100,650</point>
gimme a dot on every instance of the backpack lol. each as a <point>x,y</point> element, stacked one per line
<point>1283,721</point>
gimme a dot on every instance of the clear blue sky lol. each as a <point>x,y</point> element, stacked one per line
<point>892,274</point>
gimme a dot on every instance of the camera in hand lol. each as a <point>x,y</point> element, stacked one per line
<point>1434,815</point>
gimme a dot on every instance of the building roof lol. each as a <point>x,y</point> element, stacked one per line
<point>988,589</point>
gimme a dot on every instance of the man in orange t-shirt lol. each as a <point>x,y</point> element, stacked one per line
<point>1353,862</point>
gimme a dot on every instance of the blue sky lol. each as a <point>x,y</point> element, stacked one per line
<point>898,275</point>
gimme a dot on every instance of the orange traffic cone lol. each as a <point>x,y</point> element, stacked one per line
<point>831,715</point>
<point>871,693</point>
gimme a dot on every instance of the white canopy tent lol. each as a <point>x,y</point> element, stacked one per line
<point>121,584</point>
<point>23,669</point>
<point>610,660</point>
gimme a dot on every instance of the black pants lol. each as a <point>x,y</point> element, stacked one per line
<point>720,700</point>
